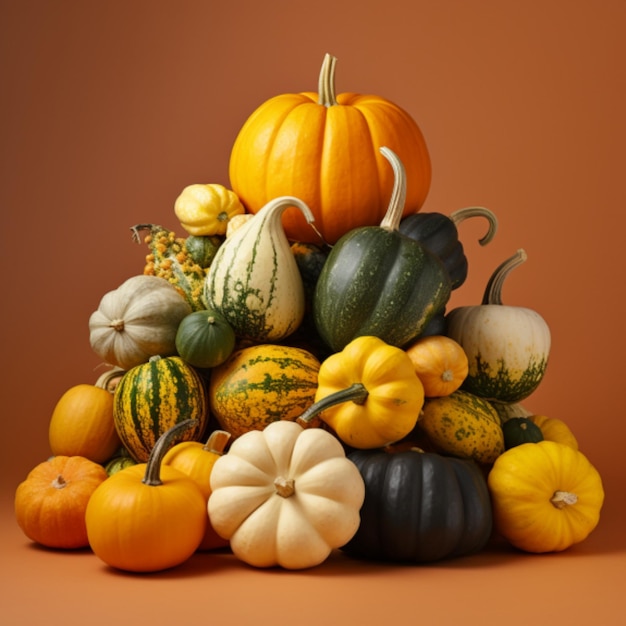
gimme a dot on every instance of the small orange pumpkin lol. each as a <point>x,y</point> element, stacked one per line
<point>440,363</point>
<point>82,424</point>
<point>196,460</point>
<point>554,429</point>
<point>50,503</point>
<point>324,149</point>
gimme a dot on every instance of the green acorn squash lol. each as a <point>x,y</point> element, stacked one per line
<point>379,282</point>
<point>440,235</point>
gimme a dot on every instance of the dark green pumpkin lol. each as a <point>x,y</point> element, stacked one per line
<point>420,507</point>
<point>377,281</point>
<point>439,234</point>
<point>205,339</point>
<point>519,430</point>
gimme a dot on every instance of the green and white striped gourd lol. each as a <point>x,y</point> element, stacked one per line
<point>254,281</point>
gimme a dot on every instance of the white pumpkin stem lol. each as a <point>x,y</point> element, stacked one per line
<point>561,499</point>
<point>493,291</point>
<point>326,83</point>
<point>460,215</point>
<point>392,218</point>
<point>285,487</point>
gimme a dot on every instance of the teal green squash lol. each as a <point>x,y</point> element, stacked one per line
<point>519,430</point>
<point>205,339</point>
<point>377,281</point>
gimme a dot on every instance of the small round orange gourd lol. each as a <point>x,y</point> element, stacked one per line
<point>323,148</point>
<point>82,424</point>
<point>50,503</point>
<point>440,363</point>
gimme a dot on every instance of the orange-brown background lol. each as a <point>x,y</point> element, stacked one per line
<point>110,107</point>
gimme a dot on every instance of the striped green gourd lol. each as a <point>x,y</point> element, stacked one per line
<point>254,281</point>
<point>152,397</point>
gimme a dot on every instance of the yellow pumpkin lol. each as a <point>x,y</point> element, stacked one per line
<point>368,393</point>
<point>324,149</point>
<point>554,429</point>
<point>197,459</point>
<point>546,496</point>
<point>207,209</point>
<point>440,363</point>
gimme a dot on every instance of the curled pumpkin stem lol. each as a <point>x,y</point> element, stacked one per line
<point>152,476</point>
<point>478,211</point>
<point>356,393</point>
<point>392,218</point>
<point>493,291</point>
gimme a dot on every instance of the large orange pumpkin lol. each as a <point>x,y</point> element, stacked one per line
<point>324,150</point>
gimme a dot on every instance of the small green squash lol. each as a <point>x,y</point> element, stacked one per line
<point>507,346</point>
<point>205,339</point>
<point>154,396</point>
<point>519,430</point>
<point>379,282</point>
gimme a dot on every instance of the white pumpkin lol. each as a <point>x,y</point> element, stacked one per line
<point>285,496</point>
<point>507,347</point>
<point>137,320</point>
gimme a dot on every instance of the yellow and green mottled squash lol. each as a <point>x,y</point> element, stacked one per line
<point>261,384</point>
<point>463,424</point>
<point>154,396</point>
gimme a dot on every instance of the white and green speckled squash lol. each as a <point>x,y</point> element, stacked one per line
<point>254,281</point>
<point>507,346</point>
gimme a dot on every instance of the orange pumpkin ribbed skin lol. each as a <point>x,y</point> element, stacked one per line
<point>50,503</point>
<point>325,150</point>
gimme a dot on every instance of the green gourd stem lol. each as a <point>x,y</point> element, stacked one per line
<point>356,393</point>
<point>493,291</point>
<point>217,441</point>
<point>392,218</point>
<point>152,476</point>
<point>477,211</point>
<point>277,206</point>
<point>326,83</point>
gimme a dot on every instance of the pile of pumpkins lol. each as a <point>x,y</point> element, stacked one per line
<point>285,380</point>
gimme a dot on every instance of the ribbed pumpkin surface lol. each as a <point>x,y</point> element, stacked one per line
<point>154,396</point>
<point>262,384</point>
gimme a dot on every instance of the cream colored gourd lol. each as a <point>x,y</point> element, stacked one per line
<point>254,281</point>
<point>137,320</point>
<point>285,496</point>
